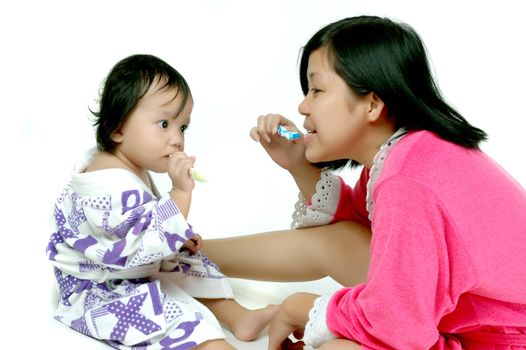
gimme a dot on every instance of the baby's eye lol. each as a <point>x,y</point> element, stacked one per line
<point>163,124</point>
<point>184,128</point>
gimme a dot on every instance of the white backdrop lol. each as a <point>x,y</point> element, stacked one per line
<point>241,60</point>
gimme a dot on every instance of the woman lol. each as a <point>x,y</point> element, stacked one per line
<point>447,223</point>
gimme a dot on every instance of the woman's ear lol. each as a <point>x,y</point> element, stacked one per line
<point>117,136</point>
<point>376,107</point>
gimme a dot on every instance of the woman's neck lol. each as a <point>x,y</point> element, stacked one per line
<point>377,137</point>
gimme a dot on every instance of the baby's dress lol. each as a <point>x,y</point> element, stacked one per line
<point>121,275</point>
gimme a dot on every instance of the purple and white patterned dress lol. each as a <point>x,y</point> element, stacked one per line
<point>114,244</point>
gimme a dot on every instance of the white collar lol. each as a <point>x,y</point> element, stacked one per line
<point>378,164</point>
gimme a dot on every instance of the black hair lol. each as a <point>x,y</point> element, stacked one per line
<point>127,82</point>
<point>376,54</point>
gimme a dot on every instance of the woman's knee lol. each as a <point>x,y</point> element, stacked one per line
<point>346,252</point>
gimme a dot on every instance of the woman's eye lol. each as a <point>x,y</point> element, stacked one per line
<point>314,90</point>
<point>163,124</point>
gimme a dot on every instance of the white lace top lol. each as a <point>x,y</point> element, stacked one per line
<point>323,205</point>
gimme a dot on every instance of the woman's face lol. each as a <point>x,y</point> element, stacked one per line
<point>336,118</point>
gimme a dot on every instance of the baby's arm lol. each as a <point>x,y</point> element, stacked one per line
<point>182,199</point>
<point>179,171</point>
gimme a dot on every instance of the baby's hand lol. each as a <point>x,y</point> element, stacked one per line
<point>194,244</point>
<point>179,167</point>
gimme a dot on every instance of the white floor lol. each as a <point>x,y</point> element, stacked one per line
<point>252,294</point>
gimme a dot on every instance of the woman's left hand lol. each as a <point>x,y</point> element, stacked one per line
<point>291,317</point>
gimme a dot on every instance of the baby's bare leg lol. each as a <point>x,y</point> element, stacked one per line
<point>340,344</point>
<point>245,324</point>
<point>339,250</point>
<point>218,344</point>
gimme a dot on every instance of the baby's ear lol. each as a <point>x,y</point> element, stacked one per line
<point>117,136</point>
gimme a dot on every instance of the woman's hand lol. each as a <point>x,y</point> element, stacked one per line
<point>179,166</point>
<point>288,154</point>
<point>291,317</point>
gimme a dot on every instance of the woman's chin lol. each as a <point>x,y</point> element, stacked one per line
<point>313,158</point>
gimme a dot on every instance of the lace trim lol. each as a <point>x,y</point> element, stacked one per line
<point>378,164</point>
<point>324,203</point>
<point>316,331</point>
<point>300,211</point>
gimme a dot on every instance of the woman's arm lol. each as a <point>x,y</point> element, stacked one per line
<point>291,317</point>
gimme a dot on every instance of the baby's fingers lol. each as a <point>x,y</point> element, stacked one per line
<point>198,245</point>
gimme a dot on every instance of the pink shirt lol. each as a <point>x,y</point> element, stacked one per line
<point>448,252</point>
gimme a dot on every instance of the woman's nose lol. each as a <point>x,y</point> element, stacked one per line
<point>303,107</point>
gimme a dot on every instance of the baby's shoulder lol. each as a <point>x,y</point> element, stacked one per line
<point>103,160</point>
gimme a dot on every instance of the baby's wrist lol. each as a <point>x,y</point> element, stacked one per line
<point>181,199</point>
<point>176,189</point>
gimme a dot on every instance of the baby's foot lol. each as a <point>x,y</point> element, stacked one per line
<point>248,327</point>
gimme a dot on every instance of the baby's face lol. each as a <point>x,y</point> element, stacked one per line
<point>155,129</point>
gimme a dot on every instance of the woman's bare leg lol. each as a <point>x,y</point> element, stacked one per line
<point>340,344</point>
<point>339,250</point>
<point>218,344</point>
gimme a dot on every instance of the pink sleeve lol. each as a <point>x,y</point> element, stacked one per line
<point>418,270</point>
<point>351,205</point>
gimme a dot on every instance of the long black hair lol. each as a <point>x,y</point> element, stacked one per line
<point>376,54</point>
<point>127,82</point>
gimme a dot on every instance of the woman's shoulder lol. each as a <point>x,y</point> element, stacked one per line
<point>424,154</point>
<point>421,138</point>
<point>425,145</point>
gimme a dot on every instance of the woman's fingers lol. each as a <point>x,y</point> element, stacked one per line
<point>262,128</point>
<point>267,126</point>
